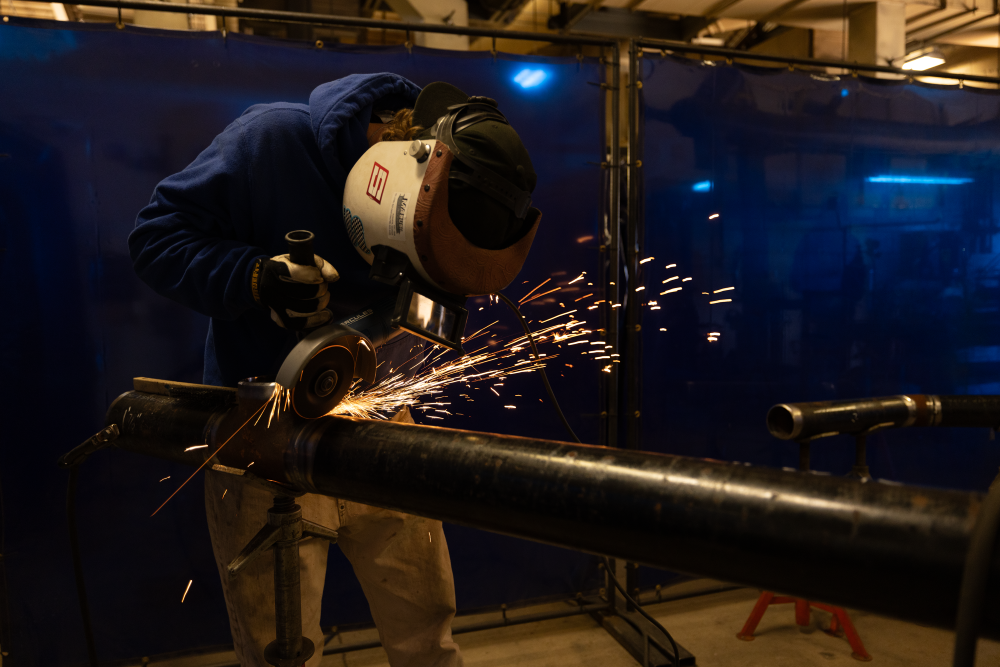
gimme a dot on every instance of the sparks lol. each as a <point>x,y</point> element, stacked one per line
<point>670,266</point>
<point>540,295</point>
<point>397,391</point>
<point>165,478</point>
<point>583,297</point>
<point>534,290</point>
<point>559,315</point>
<point>669,279</point>
<point>186,590</point>
<point>648,259</point>
<point>278,390</point>
<point>724,289</point>
<point>195,447</point>
<point>580,277</point>
<point>719,301</point>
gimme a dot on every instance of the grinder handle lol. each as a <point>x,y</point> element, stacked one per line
<point>300,247</point>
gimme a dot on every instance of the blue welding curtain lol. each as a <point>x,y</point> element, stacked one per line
<point>91,119</point>
<point>851,225</point>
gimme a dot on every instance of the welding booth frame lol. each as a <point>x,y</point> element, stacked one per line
<point>609,258</point>
<point>617,391</point>
<point>634,213</point>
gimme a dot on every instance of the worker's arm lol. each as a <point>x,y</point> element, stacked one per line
<point>192,242</point>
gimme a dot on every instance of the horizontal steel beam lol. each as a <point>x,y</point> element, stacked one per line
<point>684,47</point>
<point>887,548</point>
<point>342,21</point>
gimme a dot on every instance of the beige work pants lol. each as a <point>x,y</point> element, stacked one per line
<point>401,561</point>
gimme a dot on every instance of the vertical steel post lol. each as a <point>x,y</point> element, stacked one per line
<point>632,350</point>
<point>610,252</point>
<point>287,591</point>
<point>610,271</point>
<point>633,253</point>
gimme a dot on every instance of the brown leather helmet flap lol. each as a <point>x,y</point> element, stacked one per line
<point>451,261</point>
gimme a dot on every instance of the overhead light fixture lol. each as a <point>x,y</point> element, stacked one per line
<point>923,59</point>
<point>920,180</point>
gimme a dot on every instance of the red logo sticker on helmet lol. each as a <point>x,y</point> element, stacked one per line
<point>376,184</point>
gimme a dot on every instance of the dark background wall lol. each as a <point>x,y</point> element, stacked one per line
<point>91,119</point>
<point>857,222</point>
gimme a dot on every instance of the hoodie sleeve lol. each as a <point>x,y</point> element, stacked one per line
<point>192,242</point>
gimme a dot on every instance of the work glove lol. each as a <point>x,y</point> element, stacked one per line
<point>296,295</point>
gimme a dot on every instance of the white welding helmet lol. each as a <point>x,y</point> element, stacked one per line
<point>396,199</point>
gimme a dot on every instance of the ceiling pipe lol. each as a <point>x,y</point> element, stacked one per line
<point>910,46</point>
<point>942,21</point>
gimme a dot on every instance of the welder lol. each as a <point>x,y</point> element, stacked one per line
<point>213,239</point>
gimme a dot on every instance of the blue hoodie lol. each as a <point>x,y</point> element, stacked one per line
<point>277,168</point>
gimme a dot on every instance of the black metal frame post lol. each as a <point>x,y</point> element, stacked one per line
<point>636,634</point>
<point>633,253</point>
<point>610,263</point>
<point>633,309</point>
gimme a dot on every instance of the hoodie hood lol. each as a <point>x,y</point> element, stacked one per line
<point>340,111</point>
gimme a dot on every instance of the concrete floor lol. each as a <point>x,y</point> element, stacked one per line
<point>705,625</point>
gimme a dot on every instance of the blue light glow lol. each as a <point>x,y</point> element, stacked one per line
<point>843,92</point>
<point>702,186</point>
<point>920,180</point>
<point>529,78</point>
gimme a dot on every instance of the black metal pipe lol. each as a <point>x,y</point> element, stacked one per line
<point>344,21</point>
<point>930,12</point>
<point>825,538</point>
<point>684,47</point>
<point>798,421</point>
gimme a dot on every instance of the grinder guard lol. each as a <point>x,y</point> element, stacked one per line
<point>321,368</point>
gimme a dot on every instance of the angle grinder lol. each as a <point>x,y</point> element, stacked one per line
<point>321,368</point>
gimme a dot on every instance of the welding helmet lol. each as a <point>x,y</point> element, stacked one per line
<point>451,209</point>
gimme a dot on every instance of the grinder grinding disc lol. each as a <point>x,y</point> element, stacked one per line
<point>320,369</point>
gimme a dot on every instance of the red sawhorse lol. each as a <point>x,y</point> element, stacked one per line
<point>840,625</point>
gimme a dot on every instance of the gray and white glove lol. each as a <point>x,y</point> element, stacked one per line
<point>296,295</point>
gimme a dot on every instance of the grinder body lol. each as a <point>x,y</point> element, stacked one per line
<point>323,365</point>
